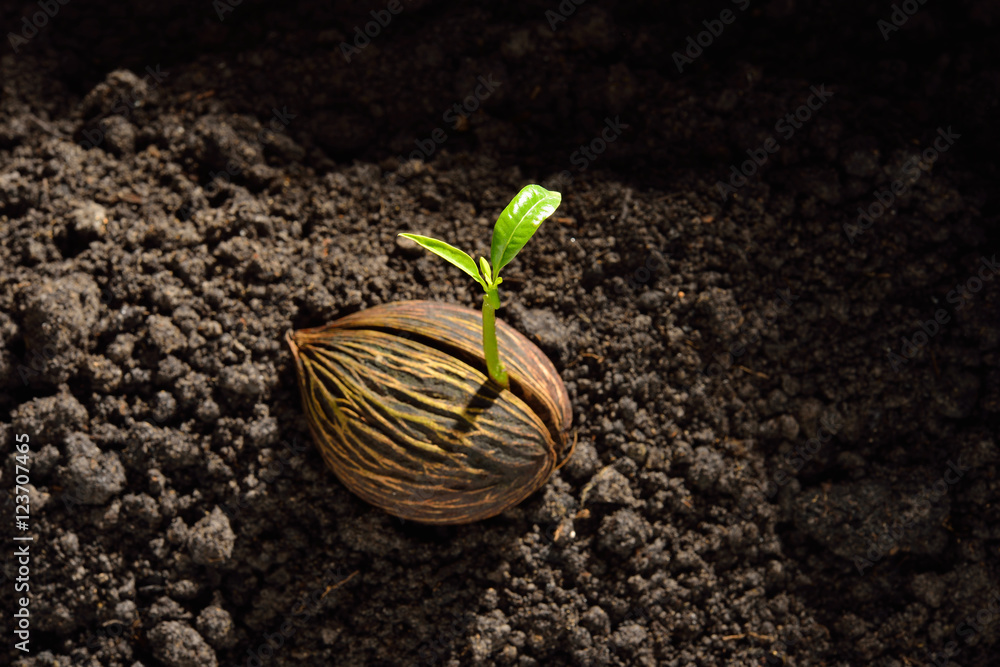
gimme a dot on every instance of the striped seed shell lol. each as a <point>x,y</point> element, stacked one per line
<point>399,403</point>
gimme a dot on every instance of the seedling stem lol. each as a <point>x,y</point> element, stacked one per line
<point>515,226</point>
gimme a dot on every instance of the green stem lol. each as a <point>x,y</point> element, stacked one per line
<point>491,301</point>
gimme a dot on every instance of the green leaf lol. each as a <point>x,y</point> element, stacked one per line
<point>484,266</point>
<point>519,221</point>
<point>449,253</point>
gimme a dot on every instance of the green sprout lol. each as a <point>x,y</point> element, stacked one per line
<point>515,226</point>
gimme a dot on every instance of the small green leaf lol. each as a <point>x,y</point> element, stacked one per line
<point>484,266</point>
<point>449,253</point>
<point>519,221</point>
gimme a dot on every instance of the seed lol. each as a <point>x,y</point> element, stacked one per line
<point>401,407</point>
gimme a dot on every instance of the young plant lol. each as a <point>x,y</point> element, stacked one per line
<point>515,226</point>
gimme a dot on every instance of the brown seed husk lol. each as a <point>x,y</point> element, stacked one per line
<point>399,403</point>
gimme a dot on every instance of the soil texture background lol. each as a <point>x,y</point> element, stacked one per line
<point>771,290</point>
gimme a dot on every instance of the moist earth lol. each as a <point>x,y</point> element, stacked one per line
<point>770,290</point>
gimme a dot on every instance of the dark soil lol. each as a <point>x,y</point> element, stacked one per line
<point>787,429</point>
